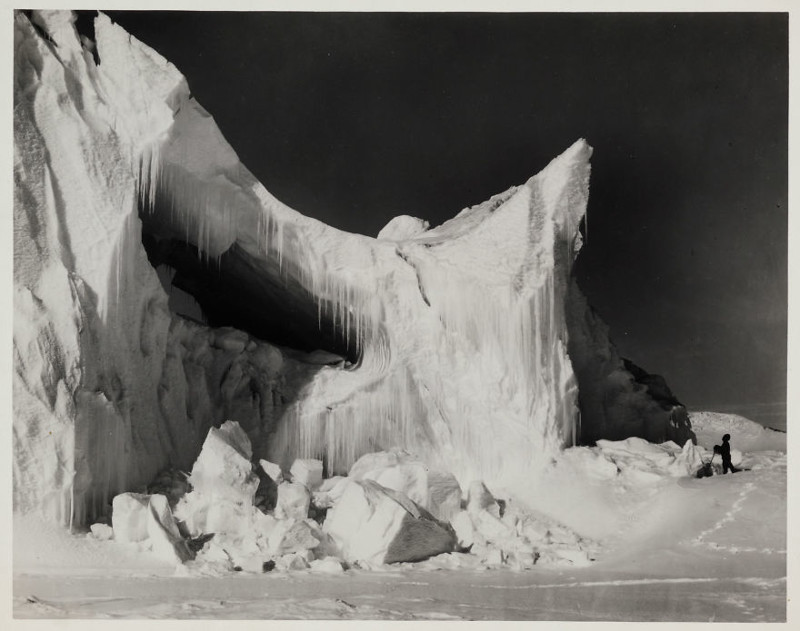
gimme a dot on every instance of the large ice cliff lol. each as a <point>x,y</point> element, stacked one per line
<point>138,233</point>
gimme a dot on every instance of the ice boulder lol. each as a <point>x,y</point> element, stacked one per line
<point>293,501</point>
<point>224,485</point>
<point>272,470</point>
<point>165,539</point>
<point>437,491</point>
<point>129,517</point>
<point>308,472</point>
<point>148,518</point>
<point>223,468</point>
<point>377,525</point>
<point>103,532</point>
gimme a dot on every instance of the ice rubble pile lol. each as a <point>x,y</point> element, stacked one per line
<point>413,513</point>
<point>461,332</point>
<point>390,508</point>
<point>213,522</point>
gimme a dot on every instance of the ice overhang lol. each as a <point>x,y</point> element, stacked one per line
<point>254,294</point>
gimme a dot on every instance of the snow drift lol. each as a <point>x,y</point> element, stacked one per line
<point>137,233</point>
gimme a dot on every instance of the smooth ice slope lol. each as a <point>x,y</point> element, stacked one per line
<point>457,336</point>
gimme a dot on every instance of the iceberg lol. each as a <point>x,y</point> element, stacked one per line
<point>160,289</point>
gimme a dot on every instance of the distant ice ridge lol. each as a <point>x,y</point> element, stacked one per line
<point>745,434</point>
<point>457,336</point>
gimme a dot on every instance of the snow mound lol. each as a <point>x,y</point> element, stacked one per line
<point>402,228</point>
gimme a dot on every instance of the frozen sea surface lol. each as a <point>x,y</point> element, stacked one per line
<point>410,595</point>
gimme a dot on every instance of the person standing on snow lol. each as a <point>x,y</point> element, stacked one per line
<point>725,449</point>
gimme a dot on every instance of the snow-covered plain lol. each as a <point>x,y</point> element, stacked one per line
<point>669,548</point>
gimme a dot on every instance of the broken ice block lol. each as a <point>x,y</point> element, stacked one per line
<point>293,501</point>
<point>223,467</point>
<point>378,525</point>
<point>163,531</point>
<point>103,532</point>
<point>272,470</point>
<point>437,491</point>
<point>307,472</point>
<point>129,517</point>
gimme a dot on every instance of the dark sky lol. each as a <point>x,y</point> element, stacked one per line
<point>355,118</point>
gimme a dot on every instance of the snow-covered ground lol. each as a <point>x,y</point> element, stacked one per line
<point>670,547</point>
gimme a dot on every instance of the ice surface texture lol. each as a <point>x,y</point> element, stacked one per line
<point>459,334</point>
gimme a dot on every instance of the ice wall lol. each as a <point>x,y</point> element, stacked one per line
<point>76,350</point>
<point>459,333</point>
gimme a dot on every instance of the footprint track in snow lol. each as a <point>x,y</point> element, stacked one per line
<point>703,538</point>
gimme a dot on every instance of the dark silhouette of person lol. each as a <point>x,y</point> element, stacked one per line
<point>725,449</point>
